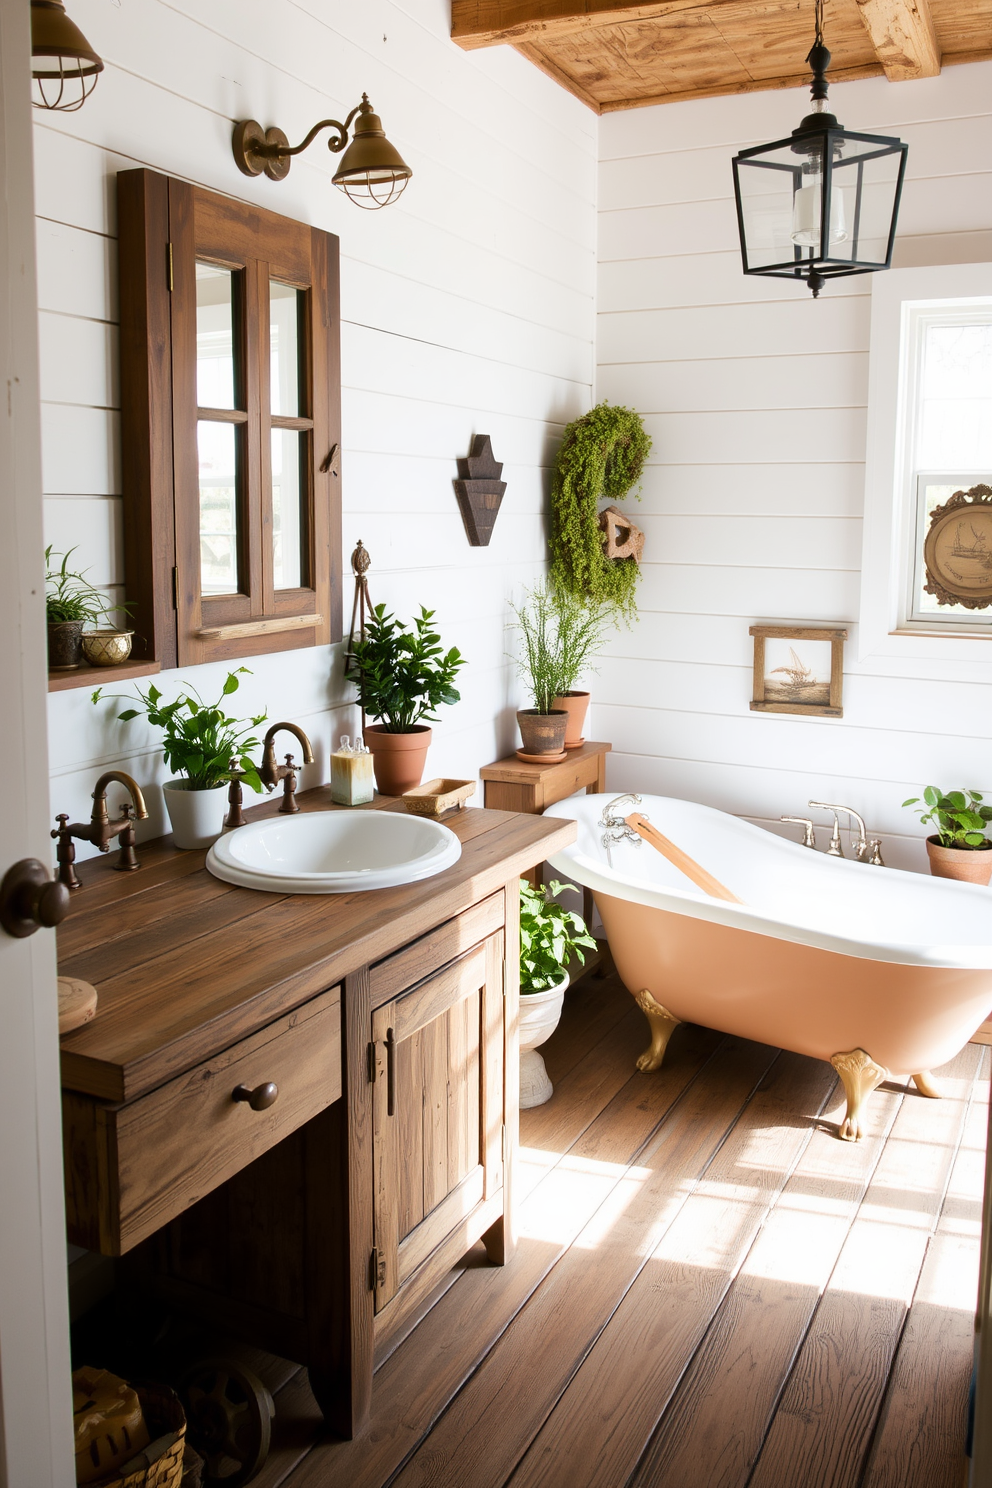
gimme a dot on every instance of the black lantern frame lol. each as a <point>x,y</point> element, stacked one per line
<point>861,205</point>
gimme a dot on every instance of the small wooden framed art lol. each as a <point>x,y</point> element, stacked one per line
<point>798,669</point>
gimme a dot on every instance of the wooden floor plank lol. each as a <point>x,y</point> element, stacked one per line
<point>592,1007</point>
<point>415,1385</point>
<point>750,1348</point>
<point>920,1439</point>
<point>823,1428</point>
<point>519,1382</point>
<point>605,1418</point>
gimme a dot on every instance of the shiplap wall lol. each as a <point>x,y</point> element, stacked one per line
<point>468,307</point>
<point>755,397</point>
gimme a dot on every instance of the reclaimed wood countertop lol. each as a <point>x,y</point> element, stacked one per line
<point>186,964</point>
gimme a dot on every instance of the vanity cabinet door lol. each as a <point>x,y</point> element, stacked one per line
<point>437,1058</point>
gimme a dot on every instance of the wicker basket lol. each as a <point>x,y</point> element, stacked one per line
<point>163,1415</point>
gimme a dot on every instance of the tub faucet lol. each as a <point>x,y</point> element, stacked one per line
<point>864,851</point>
<point>270,773</point>
<point>803,821</point>
<point>615,829</point>
<point>100,830</point>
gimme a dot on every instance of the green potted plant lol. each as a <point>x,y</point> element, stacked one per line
<point>960,847</point>
<point>403,675</point>
<point>199,744</point>
<point>559,631</point>
<point>71,602</point>
<point>550,935</point>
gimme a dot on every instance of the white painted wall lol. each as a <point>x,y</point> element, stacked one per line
<point>755,396</point>
<point>468,307</point>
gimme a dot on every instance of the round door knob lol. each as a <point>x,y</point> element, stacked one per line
<point>30,898</point>
<point>260,1099</point>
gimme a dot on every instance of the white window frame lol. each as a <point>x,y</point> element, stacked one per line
<point>889,550</point>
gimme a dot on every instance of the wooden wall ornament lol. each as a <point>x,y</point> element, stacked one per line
<point>622,538</point>
<point>480,491</point>
<point>794,686</point>
<point>957,552</point>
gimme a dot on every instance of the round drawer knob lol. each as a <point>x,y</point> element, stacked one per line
<point>260,1099</point>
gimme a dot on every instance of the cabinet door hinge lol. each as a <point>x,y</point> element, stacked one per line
<point>168,267</point>
<point>371,1062</point>
<point>175,588</point>
<point>377,1270</point>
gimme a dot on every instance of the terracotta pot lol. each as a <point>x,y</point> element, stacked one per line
<point>65,645</point>
<point>966,864</point>
<point>197,816</point>
<point>539,1015</point>
<point>576,705</point>
<point>542,733</point>
<point>398,760</point>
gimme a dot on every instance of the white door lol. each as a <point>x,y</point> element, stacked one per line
<point>35,1399</point>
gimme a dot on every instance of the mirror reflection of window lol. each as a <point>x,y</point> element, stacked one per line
<point>284,344</point>
<point>214,337</point>
<point>218,465</point>
<point>289,465</point>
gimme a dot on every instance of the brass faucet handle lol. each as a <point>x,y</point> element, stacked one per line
<point>61,829</point>
<point>809,839</point>
<point>876,859</point>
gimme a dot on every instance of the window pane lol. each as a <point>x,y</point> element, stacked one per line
<point>289,492</point>
<point>284,343</point>
<point>956,397</point>
<point>214,337</point>
<point>218,451</point>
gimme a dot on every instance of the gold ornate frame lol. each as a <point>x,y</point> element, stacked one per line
<point>938,583</point>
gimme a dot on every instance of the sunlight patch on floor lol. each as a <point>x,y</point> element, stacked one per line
<point>570,1196</point>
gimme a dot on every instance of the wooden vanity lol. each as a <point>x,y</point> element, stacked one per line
<point>293,1113</point>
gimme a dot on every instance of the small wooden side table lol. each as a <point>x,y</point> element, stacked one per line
<point>511,784</point>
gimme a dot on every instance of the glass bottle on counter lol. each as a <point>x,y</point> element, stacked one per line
<point>351,773</point>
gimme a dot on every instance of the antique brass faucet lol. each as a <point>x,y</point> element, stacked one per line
<point>270,773</point>
<point>100,830</point>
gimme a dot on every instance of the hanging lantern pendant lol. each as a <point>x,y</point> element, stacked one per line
<point>824,203</point>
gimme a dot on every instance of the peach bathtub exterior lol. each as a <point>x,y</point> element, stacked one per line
<point>805,983</point>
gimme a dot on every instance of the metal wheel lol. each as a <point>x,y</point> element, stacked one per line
<point>228,1420</point>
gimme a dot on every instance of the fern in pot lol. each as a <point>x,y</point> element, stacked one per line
<point>403,675</point>
<point>559,632</point>
<point>204,747</point>
<point>550,935</point>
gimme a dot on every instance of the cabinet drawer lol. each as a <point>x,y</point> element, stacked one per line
<point>131,1168</point>
<point>437,948</point>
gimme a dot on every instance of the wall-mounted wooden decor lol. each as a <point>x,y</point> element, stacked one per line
<point>480,491</point>
<point>958,550</point>
<point>798,669</point>
<point>622,538</point>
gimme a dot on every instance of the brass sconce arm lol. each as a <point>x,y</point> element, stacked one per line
<point>257,149</point>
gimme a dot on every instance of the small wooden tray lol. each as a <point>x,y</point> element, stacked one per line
<point>437,796</point>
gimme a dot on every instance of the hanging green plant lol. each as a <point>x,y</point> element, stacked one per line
<point>601,455</point>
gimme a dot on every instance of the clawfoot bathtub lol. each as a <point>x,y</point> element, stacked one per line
<point>878,971</point>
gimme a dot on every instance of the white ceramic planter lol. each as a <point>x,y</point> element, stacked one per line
<point>197,816</point>
<point>539,1014</point>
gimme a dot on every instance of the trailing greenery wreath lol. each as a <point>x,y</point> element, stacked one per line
<point>602,454</point>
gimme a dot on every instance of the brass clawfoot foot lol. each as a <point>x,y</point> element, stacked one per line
<point>860,1076</point>
<point>663,1025</point>
<point>927,1085</point>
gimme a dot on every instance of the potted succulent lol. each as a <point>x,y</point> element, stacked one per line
<point>71,602</point>
<point>960,847</point>
<point>558,633</point>
<point>403,675</point>
<point>550,936</point>
<point>199,745</point>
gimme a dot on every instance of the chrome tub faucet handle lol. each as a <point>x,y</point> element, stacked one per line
<point>615,829</point>
<point>611,817</point>
<point>803,821</point>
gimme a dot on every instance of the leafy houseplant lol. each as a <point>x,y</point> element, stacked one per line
<point>960,847</point>
<point>549,936</point>
<point>403,675</point>
<point>71,602</point>
<point>200,743</point>
<point>602,454</point>
<point>559,631</point>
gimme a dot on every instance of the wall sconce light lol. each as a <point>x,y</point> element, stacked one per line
<point>372,172</point>
<point>64,65</point>
<point>823,203</point>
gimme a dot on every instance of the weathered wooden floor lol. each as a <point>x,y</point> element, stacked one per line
<point>710,1290</point>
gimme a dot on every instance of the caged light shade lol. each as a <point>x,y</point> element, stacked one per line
<point>63,64</point>
<point>823,203</point>
<point>372,172</point>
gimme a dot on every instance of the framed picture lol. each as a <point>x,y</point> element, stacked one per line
<point>798,669</point>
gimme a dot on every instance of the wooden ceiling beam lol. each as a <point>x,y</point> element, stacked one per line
<point>486,23</point>
<point>901,31</point>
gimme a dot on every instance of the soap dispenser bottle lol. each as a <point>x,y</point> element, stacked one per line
<point>351,773</point>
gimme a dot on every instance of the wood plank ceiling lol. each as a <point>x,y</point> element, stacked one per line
<point>614,55</point>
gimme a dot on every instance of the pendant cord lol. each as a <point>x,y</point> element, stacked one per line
<point>818,38</point>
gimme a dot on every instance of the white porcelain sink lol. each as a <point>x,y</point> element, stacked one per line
<point>333,852</point>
